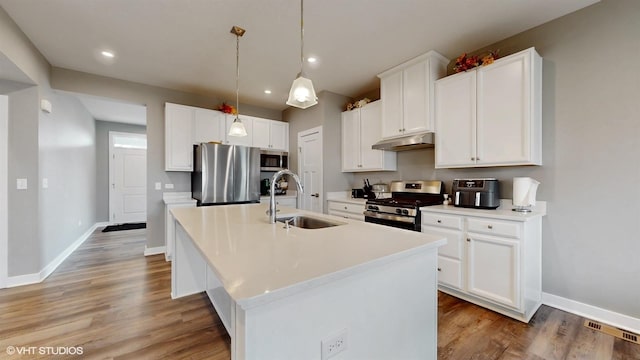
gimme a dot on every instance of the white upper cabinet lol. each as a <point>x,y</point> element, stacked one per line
<point>491,116</point>
<point>178,137</point>
<point>270,134</point>
<point>361,129</point>
<point>407,93</point>
<point>209,126</point>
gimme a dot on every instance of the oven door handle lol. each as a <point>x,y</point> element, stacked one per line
<point>377,215</point>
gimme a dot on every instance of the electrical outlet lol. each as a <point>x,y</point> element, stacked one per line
<point>334,344</point>
<point>168,186</point>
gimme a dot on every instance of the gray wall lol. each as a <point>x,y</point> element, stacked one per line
<point>67,159</point>
<point>153,98</point>
<point>102,162</point>
<point>327,113</point>
<point>591,142</point>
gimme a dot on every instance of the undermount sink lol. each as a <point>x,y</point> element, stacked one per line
<point>307,222</point>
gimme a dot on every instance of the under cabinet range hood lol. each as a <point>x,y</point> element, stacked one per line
<point>410,142</point>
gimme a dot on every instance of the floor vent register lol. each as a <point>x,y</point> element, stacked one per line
<point>621,334</point>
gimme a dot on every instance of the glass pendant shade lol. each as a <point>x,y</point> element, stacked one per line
<point>237,128</point>
<point>302,95</point>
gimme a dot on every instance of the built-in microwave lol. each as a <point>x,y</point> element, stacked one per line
<point>274,160</point>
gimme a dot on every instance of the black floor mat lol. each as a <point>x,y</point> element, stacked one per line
<point>130,226</point>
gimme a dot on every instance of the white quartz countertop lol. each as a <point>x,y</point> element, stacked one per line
<point>178,198</point>
<point>504,211</point>
<point>257,261</point>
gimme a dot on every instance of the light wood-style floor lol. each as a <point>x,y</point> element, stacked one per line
<point>115,303</point>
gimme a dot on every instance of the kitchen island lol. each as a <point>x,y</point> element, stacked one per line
<point>362,290</point>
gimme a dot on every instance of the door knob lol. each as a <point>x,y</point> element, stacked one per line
<point>315,195</point>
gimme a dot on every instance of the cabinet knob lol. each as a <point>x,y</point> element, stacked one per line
<point>473,159</point>
<point>345,208</point>
<point>468,239</point>
<point>490,227</point>
<point>439,269</point>
<point>439,221</point>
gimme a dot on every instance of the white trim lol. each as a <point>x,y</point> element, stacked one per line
<point>612,318</point>
<point>4,189</point>
<point>154,250</point>
<point>53,265</point>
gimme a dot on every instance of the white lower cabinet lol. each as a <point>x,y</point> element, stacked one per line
<point>172,201</point>
<point>488,261</point>
<point>347,210</point>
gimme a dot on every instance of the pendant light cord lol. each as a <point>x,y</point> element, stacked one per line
<point>237,77</point>
<point>301,35</point>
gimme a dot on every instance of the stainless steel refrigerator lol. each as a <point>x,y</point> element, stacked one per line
<point>225,174</point>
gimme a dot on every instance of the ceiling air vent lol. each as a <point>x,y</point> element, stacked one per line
<point>621,334</point>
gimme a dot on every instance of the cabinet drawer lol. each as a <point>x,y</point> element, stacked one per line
<point>346,207</point>
<point>347,215</point>
<point>453,248</point>
<point>450,272</point>
<point>494,227</point>
<point>441,220</point>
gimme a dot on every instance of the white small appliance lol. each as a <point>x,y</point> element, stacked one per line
<point>524,193</point>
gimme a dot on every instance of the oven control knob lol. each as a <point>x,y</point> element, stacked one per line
<point>373,207</point>
<point>398,211</point>
<point>405,212</point>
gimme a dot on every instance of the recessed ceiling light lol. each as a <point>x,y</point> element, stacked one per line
<point>311,59</point>
<point>108,54</point>
<point>267,91</point>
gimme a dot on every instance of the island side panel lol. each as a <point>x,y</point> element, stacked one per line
<point>389,312</point>
<point>188,267</point>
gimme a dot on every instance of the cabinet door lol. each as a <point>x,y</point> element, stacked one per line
<point>391,95</point>
<point>262,133</point>
<point>237,140</point>
<point>351,140</point>
<point>455,144</point>
<point>209,125</point>
<point>504,112</point>
<point>415,82</point>
<point>279,135</point>
<point>493,269</point>
<point>370,133</point>
<point>178,137</point>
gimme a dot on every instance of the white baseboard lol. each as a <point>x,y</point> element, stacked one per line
<point>13,281</point>
<point>612,318</point>
<point>154,250</point>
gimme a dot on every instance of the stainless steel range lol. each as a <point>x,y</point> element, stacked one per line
<point>402,209</point>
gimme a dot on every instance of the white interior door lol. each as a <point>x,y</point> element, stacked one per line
<point>310,168</point>
<point>127,177</point>
<point>4,181</point>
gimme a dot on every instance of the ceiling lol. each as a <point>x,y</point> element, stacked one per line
<point>115,111</point>
<point>186,44</point>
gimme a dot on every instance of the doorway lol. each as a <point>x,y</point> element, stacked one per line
<point>310,168</point>
<point>4,188</point>
<point>127,177</point>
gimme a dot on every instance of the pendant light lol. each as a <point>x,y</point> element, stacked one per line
<point>237,127</point>
<point>302,95</point>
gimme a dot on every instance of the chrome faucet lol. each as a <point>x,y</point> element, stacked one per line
<point>272,192</point>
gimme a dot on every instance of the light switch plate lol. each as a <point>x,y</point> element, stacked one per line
<point>168,186</point>
<point>21,184</point>
<point>158,186</point>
